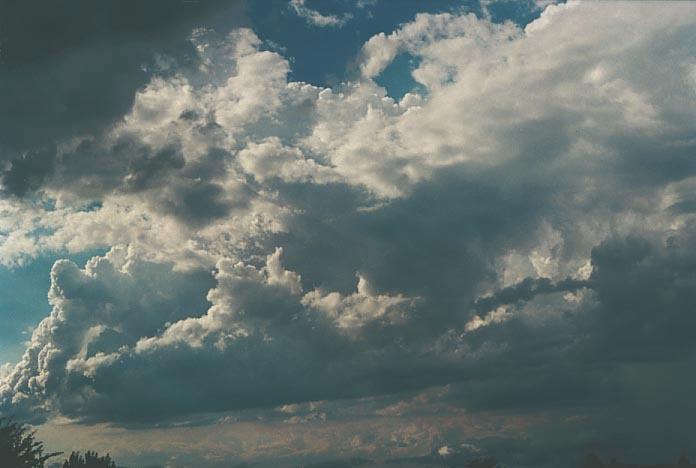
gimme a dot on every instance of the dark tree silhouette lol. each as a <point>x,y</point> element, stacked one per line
<point>89,460</point>
<point>19,448</point>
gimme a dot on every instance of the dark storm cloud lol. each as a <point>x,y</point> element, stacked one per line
<point>646,291</point>
<point>93,169</point>
<point>28,171</point>
<point>564,364</point>
<point>629,345</point>
<point>526,290</point>
<point>523,233</point>
<point>97,299</point>
<point>189,191</point>
<point>71,68</point>
<point>435,243</point>
<point>639,310</point>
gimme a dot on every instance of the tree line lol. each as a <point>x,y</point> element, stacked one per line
<point>19,448</point>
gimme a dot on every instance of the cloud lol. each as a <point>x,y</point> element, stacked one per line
<point>317,19</point>
<point>113,302</point>
<point>359,308</point>
<point>271,159</point>
<point>255,314</point>
<point>520,230</point>
<point>73,70</point>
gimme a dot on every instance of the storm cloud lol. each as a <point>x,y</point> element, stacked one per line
<point>521,232</point>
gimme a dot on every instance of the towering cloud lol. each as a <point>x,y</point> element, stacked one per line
<point>522,229</point>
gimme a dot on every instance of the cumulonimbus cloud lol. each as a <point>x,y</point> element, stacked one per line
<point>547,171</point>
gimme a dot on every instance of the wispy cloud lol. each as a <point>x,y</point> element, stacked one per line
<point>317,19</point>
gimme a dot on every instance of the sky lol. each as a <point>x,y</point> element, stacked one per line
<point>284,232</point>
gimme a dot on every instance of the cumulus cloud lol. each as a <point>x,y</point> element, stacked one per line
<point>361,307</point>
<point>50,95</point>
<point>256,315</point>
<point>271,159</point>
<point>522,227</point>
<point>112,302</point>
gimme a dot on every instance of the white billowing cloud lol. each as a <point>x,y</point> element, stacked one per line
<point>317,19</point>
<point>355,131</point>
<point>277,275</point>
<point>109,304</point>
<point>494,93</point>
<point>543,260</point>
<point>226,319</point>
<point>121,311</point>
<point>124,220</point>
<point>434,38</point>
<point>360,308</point>
<point>159,104</point>
<point>526,151</point>
<point>495,82</point>
<point>486,85</point>
<point>255,88</point>
<point>270,158</point>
